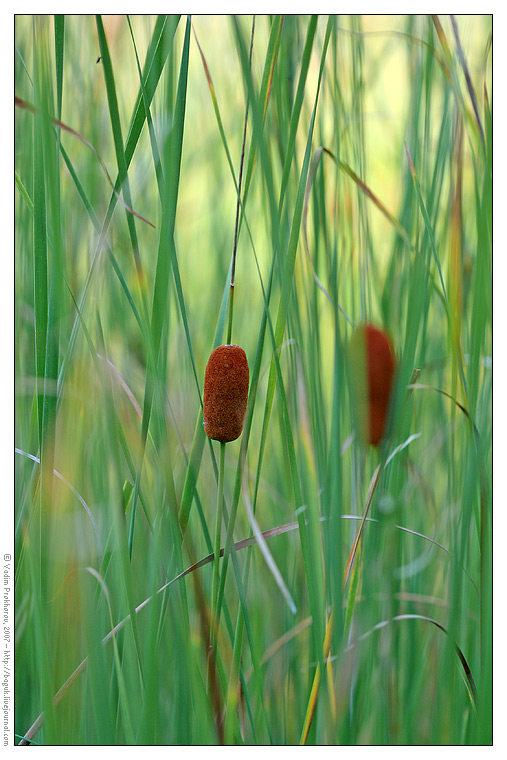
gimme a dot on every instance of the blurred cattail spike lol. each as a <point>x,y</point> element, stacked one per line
<point>225,393</point>
<point>371,371</point>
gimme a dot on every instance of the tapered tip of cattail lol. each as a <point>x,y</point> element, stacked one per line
<point>372,371</point>
<point>225,393</point>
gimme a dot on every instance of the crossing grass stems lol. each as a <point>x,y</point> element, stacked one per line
<point>366,198</point>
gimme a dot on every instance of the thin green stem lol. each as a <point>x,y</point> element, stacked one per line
<point>238,204</point>
<point>218,531</point>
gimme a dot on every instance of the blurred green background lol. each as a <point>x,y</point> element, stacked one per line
<point>115,320</point>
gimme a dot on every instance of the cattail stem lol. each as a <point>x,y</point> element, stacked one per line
<point>236,225</point>
<point>231,306</point>
<point>218,531</point>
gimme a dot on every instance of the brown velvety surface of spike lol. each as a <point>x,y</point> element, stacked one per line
<point>225,393</point>
<point>378,358</point>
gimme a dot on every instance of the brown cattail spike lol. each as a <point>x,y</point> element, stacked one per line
<point>372,367</point>
<point>225,393</point>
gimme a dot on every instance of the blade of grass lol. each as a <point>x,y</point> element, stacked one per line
<point>172,157</point>
<point>469,683</point>
<point>268,557</point>
<point>117,506</point>
<point>60,125</point>
<point>264,96</point>
<point>158,51</point>
<point>74,491</point>
<point>121,435</point>
<point>470,86</point>
<point>161,185</point>
<point>114,116</point>
<point>124,700</point>
<point>40,268</point>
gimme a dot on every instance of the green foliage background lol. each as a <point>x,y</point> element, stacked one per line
<point>367,196</point>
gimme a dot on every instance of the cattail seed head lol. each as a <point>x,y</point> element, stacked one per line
<point>372,366</point>
<point>225,393</point>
